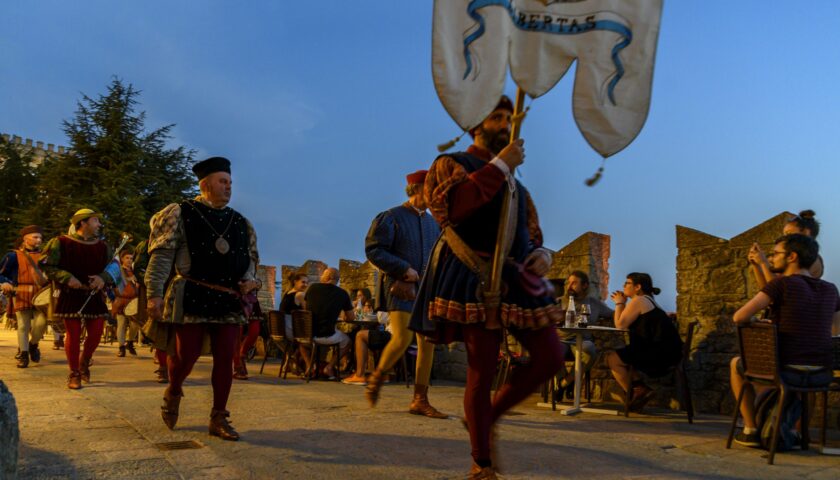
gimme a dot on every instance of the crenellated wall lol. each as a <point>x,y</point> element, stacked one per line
<point>39,153</point>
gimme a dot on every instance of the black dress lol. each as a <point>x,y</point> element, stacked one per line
<point>655,345</point>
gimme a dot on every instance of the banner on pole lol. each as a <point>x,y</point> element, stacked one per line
<point>614,41</point>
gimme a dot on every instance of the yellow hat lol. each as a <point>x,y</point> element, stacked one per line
<point>83,214</point>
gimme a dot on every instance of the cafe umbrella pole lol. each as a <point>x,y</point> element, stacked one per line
<point>492,297</point>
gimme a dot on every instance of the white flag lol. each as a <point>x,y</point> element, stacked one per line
<point>614,41</point>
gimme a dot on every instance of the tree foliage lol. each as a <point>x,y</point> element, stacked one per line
<point>114,166</point>
<point>17,177</point>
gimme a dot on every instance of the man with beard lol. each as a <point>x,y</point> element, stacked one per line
<point>577,287</point>
<point>213,249</point>
<point>20,279</point>
<point>465,193</point>
<point>76,262</point>
<point>803,308</point>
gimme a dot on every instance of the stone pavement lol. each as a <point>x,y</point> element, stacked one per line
<point>111,428</point>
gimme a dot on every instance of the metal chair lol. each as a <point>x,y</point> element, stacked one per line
<point>303,330</point>
<point>277,337</point>
<point>682,376</point>
<point>759,346</point>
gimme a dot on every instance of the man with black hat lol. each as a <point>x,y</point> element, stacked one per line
<point>76,263</point>
<point>465,192</point>
<point>398,244</point>
<point>213,249</point>
<point>20,279</point>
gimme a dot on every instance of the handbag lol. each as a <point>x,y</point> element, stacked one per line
<point>403,290</point>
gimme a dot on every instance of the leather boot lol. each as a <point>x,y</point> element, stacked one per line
<point>169,409</point>
<point>121,352</point>
<point>74,380</point>
<point>420,405</point>
<point>374,384</point>
<point>34,352</point>
<point>23,361</point>
<point>482,473</point>
<point>130,347</point>
<point>84,369</point>
<point>219,426</point>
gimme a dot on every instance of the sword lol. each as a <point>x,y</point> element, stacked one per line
<point>125,239</point>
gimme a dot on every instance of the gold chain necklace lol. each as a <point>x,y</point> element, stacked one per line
<point>222,245</point>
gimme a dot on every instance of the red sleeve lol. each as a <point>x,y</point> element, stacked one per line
<point>453,194</point>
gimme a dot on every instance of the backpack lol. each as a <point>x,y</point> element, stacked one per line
<point>766,411</point>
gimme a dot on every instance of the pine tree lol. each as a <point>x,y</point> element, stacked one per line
<point>17,178</point>
<point>114,166</point>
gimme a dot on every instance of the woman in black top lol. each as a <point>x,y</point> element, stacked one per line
<point>655,344</point>
<point>291,301</point>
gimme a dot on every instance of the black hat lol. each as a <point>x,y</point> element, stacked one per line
<point>211,165</point>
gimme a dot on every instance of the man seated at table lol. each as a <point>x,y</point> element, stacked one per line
<point>326,300</point>
<point>369,339</point>
<point>804,309</point>
<point>577,286</point>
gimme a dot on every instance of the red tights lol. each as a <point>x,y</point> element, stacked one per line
<point>73,326</point>
<point>546,353</point>
<point>248,342</point>
<point>160,355</point>
<point>188,342</point>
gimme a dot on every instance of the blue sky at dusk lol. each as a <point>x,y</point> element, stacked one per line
<point>324,107</point>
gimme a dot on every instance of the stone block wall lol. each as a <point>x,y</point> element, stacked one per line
<point>356,275</point>
<point>312,268</point>
<point>268,276</point>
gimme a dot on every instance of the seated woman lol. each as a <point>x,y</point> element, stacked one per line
<point>373,339</point>
<point>655,344</point>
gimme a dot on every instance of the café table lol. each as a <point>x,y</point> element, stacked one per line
<point>579,332</point>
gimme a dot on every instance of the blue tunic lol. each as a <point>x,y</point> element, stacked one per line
<point>399,239</point>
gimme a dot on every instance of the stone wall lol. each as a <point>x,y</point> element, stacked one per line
<point>356,275</point>
<point>268,276</point>
<point>38,150</point>
<point>9,433</point>
<point>312,268</point>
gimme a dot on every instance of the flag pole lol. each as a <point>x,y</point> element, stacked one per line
<point>503,235</point>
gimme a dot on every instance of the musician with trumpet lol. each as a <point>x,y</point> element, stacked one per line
<point>20,279</point>
<point>77,263</point>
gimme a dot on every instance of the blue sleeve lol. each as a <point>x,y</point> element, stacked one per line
<point>379,242</point>
<point>9,269</point>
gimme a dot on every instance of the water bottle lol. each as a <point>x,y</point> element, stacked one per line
<point>570,313</point>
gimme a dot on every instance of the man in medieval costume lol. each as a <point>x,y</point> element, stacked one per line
<point>398,244</point>
<point>77,263</point>
<point>20,279</point>
<point>213,249</point>
<point>465,192</point>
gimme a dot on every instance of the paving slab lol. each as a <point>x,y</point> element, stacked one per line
<point>291,429</point>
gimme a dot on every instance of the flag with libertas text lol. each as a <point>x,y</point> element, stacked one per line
<point>614,41</point>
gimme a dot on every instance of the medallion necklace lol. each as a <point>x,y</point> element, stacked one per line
<point>222,245</point>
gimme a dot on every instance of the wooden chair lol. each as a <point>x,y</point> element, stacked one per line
<point>759,346</point>
<point>303,330</point>
<point>277,338</point>
<point>681,374</point>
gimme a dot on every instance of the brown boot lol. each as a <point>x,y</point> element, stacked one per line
<point>74,380</point>
<point>84,369</point>
<point>374,384</point>
<point>219,426</point>
<point>420,405</point>
<point>169,409</point>
<point>479,473</point>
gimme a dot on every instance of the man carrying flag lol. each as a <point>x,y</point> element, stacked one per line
<point>464,192</point>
